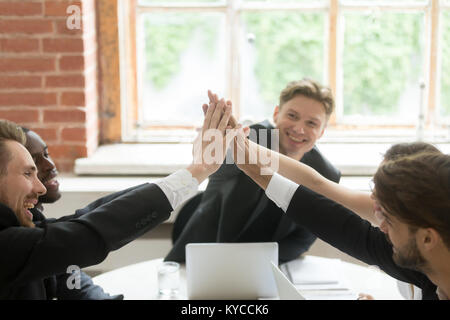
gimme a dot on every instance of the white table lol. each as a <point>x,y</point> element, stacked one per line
<point>139,281</point>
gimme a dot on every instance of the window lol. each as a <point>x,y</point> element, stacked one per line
<point>386,61</point>
<point>444,102</point>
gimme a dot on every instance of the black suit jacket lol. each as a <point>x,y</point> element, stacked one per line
<point>346,231</point>
<point>29,257</point>
<point>234,208</point>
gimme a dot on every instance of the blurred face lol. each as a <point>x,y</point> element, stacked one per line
<point>301,122</point>
<point>47,172</point>
<point>406,254</point>
<point>20,186</point>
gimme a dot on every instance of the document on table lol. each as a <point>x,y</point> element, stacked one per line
<point>318,278</point>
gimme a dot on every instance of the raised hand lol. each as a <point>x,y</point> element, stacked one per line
<point>210,146</point>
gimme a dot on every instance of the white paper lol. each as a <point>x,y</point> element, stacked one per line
<point>314,270</point>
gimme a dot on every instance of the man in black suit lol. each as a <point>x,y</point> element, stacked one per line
<point>233,208</point>
<point>48,174</point>
<point>32,254</point>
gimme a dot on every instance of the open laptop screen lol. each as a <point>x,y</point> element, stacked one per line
<point>230,270</point>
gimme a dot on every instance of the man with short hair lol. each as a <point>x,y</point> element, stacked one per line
<point>300,120</point>
<point>31,254</point>
<point>412,195</point>
<point>47,174</point>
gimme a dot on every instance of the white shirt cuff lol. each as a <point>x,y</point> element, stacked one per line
<point>281,190</point>
<point>178,187</point>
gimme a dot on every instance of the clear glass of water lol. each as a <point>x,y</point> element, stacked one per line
<point>169,278</point>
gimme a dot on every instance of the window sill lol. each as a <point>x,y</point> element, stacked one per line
<point>353,159</point>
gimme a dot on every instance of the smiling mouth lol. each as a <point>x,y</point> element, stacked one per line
<point>297,140</point>
<point>28,206</point>
<point>51,182</point>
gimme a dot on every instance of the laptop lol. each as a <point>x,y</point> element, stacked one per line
<point>286,290</point>
<point>222,271</point>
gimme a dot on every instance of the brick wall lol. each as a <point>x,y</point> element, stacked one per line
<point>48,74</point>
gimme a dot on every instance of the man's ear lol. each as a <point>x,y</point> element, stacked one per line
<point>276,112</point>
<point>428,238</point>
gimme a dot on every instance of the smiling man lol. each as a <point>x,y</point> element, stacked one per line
<point>412,202</point>
<point>47,174</point>
<point>300,120</point>
<point>19,185</point>
<point>31,255</point>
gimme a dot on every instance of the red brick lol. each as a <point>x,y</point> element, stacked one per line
<point>26,26</point>
<point>16,8</point>
<point>73,99</point>
<point>67,151</point>
<point>74,134</point>
<point>27,64</point>
<point>27,99</point>
<point>71,63</point>
<point>63,45</point>
<point>20,82</point>
<point>59,8</point>
<point>67,116</point>
<point>19,45</point>
<point>20,116</point>
<point>65,81</point>
<point>47,134</point>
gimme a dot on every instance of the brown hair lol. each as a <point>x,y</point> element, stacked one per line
<point>416,190</point>
<point>9,131</point>
<point>408,148</point>
<point>310,89</point>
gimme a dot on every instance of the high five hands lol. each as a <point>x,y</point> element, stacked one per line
<point>247,154</point>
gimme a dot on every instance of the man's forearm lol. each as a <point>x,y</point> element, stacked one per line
<point>254,172</point>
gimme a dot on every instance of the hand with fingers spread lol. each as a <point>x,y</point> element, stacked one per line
<point>244,152</point>
<point>214,99</point>
<point>211,144</point>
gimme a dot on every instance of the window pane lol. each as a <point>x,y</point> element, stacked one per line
<point>182,55</point>
<point>382,64</point>
<point>445,60</point>
<point>277,48</point>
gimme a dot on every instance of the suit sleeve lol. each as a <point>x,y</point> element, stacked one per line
<point>90,207</point>
<point>295,244</point>
<point>347,232</point>
<point>36,253</point>
<point>88,290</point>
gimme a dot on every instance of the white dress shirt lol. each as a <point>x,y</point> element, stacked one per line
<point>281,190</point>
<point>178,187</point>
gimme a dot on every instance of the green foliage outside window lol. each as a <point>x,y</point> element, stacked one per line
<point>289,46</point>
<point>382,56</point>
<point>167,37</point>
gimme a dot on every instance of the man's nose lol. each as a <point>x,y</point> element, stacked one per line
<point>39,188</point>
<point>299,129</point>
<point>48,164</point>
